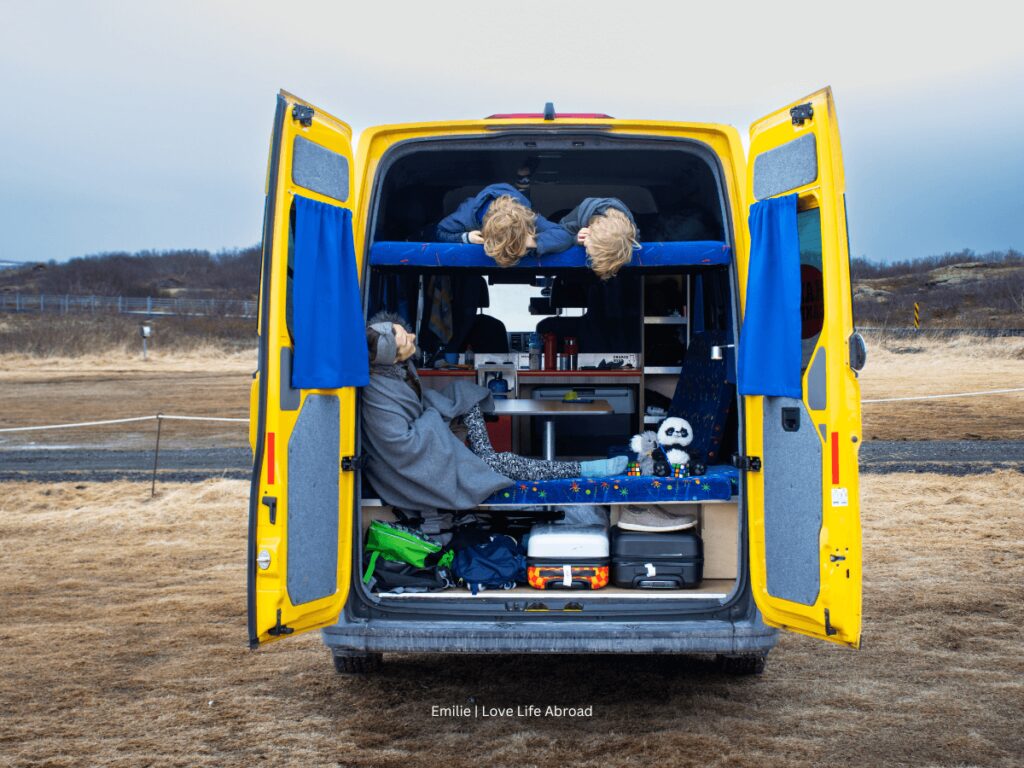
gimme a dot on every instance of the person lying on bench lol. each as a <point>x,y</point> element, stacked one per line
<point>605,228</point>
<point>499,218</point>
<point>415,460</point>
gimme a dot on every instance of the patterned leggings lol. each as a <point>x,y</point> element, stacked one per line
<point>513,465</point>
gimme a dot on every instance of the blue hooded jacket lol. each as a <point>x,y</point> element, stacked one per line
<point>551,238</point>
<point>580,216</point>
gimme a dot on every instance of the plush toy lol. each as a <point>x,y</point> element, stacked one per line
<point>659,452</point>
<point>644,445</point>
<point>674,434</point>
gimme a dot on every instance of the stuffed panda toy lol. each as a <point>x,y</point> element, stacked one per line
<point>657,452</point>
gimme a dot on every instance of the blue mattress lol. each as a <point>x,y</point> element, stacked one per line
<point>398,254</point>
<point>719,483</point>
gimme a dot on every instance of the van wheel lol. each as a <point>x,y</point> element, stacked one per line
<point>742,664</point>
<point>357,663</point>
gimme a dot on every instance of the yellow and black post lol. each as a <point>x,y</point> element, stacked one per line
<point>917,316</point>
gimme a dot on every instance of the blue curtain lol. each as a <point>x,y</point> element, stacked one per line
<point>330,338</point>
<point>769,344</point>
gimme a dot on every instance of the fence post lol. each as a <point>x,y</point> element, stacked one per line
<point>156,453</point>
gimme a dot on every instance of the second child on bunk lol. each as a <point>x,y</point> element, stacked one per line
<point>500,219</point>
<point>604,226</point>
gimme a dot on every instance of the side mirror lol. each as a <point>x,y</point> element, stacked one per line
<point>858,352</point>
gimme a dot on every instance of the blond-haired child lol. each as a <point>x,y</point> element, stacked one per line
<point>500,219</point>
<point>604,226</point>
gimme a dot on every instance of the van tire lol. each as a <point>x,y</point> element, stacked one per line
<point>357,663</point>
<point>742,664</point>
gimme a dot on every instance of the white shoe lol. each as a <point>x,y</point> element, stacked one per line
<point>654,519</point>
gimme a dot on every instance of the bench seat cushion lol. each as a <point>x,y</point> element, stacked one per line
<point>719,483</point>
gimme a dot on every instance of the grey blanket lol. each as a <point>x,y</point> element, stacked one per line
<point>415,461</point>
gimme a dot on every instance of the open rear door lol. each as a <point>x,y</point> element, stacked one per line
<point>803,503</point>
<point>303,414</point>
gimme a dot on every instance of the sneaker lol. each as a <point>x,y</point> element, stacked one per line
<point>654,519</point>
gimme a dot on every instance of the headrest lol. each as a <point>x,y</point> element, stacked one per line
<point>568,293</point>
<point>484,297</point>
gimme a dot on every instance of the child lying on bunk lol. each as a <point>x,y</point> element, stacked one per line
<point>604,226</point>
<point>499,218</point>
<point>415,460</point>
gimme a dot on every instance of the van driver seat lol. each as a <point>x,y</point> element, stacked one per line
<point>485,333</point>
<point>564,295</point>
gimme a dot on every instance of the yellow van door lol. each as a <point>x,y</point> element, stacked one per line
<point>803,504</point>
<point>301,495</point>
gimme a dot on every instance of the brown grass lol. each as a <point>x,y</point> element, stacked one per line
<point>64,390</point>
<point>123,643</point>
<point>902,367</point>
<point>56,335</point>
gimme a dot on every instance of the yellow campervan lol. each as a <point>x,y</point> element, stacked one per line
<point>778,513</point>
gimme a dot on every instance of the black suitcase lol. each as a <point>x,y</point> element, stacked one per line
<point>670,560</point>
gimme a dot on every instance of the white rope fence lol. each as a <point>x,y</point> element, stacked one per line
<point>79,424</point>
<point>943,397</point>
<point>159,418</point>
<point>155,417</point>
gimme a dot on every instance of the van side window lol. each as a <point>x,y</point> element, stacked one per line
<point>812,289</point>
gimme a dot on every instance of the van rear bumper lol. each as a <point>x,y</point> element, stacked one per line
<point>404,636</point>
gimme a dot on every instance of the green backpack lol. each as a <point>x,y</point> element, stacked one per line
<point>402,545</point>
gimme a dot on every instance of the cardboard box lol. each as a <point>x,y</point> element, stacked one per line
<point>720,532</point>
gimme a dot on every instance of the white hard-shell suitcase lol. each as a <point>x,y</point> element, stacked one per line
<point>568,557</point>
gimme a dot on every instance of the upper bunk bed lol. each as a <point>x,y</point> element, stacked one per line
<point>700,253</point>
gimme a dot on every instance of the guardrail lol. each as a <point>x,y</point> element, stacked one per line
<point>125,305</point>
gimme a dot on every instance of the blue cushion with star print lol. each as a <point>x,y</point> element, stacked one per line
<point>719,483</point>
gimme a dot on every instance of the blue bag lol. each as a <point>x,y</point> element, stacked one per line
<point>495,564</point>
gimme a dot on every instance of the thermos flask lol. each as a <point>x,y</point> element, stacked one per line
<point>550,352</point>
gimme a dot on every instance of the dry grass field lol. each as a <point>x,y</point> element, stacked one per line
<point>123,643</point>
<point>216,383</point>
<point>901,367</point>
<point>206,382</point>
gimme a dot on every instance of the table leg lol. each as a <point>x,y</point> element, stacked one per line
<point>549,438</point>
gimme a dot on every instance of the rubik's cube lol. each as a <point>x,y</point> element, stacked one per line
<point>633,469</point>
<point>680,470</point>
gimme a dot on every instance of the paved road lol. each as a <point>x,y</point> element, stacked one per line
<point>953,457</point>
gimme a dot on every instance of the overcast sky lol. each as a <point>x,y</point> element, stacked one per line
<point>145,125</point>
